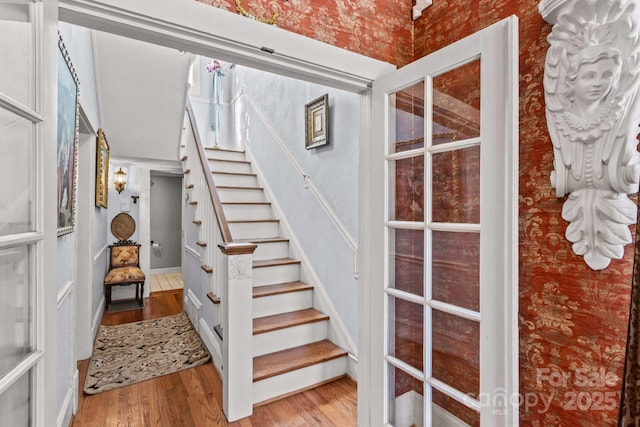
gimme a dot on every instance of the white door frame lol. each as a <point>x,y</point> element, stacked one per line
<point>197,28</point>
<point>497,45</point>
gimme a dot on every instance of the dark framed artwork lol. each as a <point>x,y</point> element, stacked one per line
<point>67,144</point>
<point>316,122</point>
<point>102,170</point>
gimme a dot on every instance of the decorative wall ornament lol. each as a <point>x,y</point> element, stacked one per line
<point>419,7</point>
<point>242,11</point>
<point>240,267</point>
<point>591,92</point>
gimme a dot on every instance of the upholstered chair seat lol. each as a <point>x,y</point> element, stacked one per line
<point>124,269</point>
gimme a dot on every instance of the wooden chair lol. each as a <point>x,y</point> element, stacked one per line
<point>124,270</point>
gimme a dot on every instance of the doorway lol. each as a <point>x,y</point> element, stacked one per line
<point>166,232</point>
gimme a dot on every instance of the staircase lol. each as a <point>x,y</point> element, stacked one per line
<point>290,348</point>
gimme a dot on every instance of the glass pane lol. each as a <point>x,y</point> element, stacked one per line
<point>456,352</point>
<point>453,408</point>
<point>15,296</point>
<point>15,403</point>
<point>406,110</point>
<point>455,277</point>
<point>407,260</point>
<point>406,332</point>
<point>456,104</point>
<point>407,181</point>
<point>406,400</point>
<point>456,186</point>
<point>16,200</point>
<point>16,43</point>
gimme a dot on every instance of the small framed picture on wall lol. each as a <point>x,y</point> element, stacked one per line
<point>316,122</point>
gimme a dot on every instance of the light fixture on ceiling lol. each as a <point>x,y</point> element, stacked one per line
<point>120,180</point>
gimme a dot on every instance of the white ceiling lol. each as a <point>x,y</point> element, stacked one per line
<point>142,91</point>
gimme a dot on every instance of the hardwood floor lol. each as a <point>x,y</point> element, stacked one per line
<point>165,282</point>
<point>193,397</point>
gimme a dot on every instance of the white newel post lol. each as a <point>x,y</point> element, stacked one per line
<point>237,331</point>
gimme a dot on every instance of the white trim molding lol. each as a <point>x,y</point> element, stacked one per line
<point>216,33</point>
<point>591,84</point>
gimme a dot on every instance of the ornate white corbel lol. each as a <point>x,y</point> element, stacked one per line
<point>591,82</point>
<point>419,7</point>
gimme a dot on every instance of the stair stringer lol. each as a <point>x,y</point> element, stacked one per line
<point>337,331</point>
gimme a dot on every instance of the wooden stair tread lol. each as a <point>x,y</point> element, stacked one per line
<point>206,268</point>
<point>233,187</point>
<point>201,243</point>
<point>281,362</point>
<point>263,240</point>
<point>223,149</point>
<point>233,173</point>
<point>197,222</point>
<point>213,298</point>
<point>276,322</point>
<point>229,160</point>
<point>280,288</point>
<point>246,203</point>
<point>252,221</point>
<point>274,262</point>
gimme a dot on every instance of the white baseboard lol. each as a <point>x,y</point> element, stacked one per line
<point>96,320</point>
<point>212,343</point>
<point>352,366</point>
<point>66,412</point>
<point>76,386</point>
<point>166,270</point>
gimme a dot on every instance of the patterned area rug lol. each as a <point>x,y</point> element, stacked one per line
<point>134,352</point>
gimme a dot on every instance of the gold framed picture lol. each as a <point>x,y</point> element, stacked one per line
<point>316,122</point>
<point>102,170</point>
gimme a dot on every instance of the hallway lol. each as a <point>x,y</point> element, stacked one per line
<point>193,397</point>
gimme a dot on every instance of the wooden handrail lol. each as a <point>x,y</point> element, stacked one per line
<point>213,192</point>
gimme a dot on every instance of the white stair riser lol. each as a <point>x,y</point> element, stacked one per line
<point>226,155</point>
<point>282,303</point>
<point>235,180</point>
<point>240,195</point>
<point>276,274</point>
<point>271,250</point>
<point>254,230</point>
<point>233,167</point>
<point>247,212</point>
<point>298,380</point>
<point>283,339</point>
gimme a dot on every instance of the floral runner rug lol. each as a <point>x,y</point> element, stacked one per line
<point>134,352</point>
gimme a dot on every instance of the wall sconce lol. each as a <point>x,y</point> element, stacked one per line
<point>120,180</point>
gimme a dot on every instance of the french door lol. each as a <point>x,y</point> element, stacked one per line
<point>443,304</point>
<point>27,227</point>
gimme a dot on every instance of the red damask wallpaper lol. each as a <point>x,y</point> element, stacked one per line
<point>573,320</point>
<point>380,29</point>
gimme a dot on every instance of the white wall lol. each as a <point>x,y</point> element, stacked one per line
<point>272,110</point>
<point>81,255</point>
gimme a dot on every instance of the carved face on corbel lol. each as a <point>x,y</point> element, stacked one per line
<point>592,77</point>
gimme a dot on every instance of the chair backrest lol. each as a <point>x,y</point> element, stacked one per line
<point>125,255</point>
